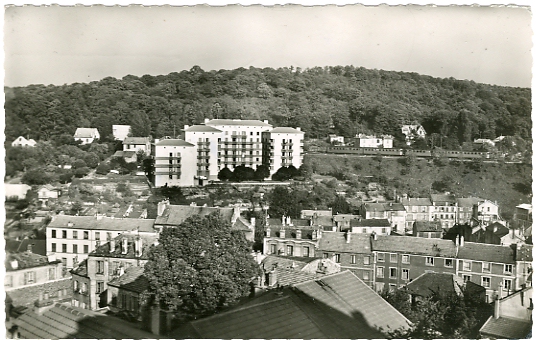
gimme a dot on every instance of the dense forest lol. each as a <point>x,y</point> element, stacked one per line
<point>341,99</point>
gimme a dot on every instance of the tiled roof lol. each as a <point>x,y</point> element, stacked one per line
<point>201,128</point>
<point>173,142</point>
<point>25,260</point>
<point>102,223</point>
<point>416,201</point>
<point>296,222</point>
<point>323,220</point>
<point>337,241</point>
<point>239,122</point>
<point>345,217</point>
<point>394,206</point>
<point>118,153</point>
<point>443,198</point>
<point>129,153</point>
<point>62,321</point>
<point>506,328</point>
<point>81,269</point>
<point>176,214</point>
<point>371,222</point>
<point>285,130</point>
<point>241,224</point>
<point>468,201</point>
<point>347,294</point>
<point>136,140</point>
<point>486,252</point>
<point>85,132</point>
<point>375,206</point>
<point>286,262</point>
<point>500,231</point>
<point>524,252</point>
<point>290,232</point>
<point>427,226</point>
<point>26,296</point>
<point>317,212</point>
<point>104,249</point>
<point>38,246</point>
<point>415,245</point>
<point>287,277</point>
<point>133,280</point>
<point>429,283</point>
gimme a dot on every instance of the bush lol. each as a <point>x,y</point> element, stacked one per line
<point>103,168</point>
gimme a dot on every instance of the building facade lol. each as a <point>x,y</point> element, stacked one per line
<point>282,147</point>
<point>23,142</point>
<point>26,269</point>
<point>365,141</point>
<point>120,132</point>
<point>137,144</point>
<point>86,135</point>
<point>417,209</point>
<point>174,163</point>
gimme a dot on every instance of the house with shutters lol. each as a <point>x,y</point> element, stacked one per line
<point>137,144</point>
<point>291,237</point>
<point>428,229</point>
<point>417,209</point>
<point>27,268</point>
<point>394,212</point>
<point>124,293</point>
<point>412,132</point>
<point>445,209</point>
<point>86,135</point>
<point>379,226</point>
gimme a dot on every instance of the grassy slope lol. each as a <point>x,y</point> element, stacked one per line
<point>505,183</point>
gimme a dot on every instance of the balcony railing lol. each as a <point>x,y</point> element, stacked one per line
<point>166,166</point>
<point>166,158</point>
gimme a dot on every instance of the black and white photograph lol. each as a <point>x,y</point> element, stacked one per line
<point>288,171</point>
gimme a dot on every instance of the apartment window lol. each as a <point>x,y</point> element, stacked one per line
<point>170,176</point>
<point>84,288</point>
<point>507,285</point>
<point>53,247</point>
<point>352,259</point>
<point>29,277</point>
<point>466,278</point>
<point>306,251</point>
<point>75,248</point>
<point>366,275</point>
<point>429,261</point>
<point>273,248</point>
<point>448,263</point>
<point>86,235</point>
<point>381,257</point>
<point>486,282</point>
<point>392,273</point>
<point>508,268</point>
<point>366,260</point>
<point>75,234</point>
<point>86,249</point>
<point>97,235</point>
<point>76,285</point>
<point>100,267</point>
<point>392,258</point>
<point>325,255</point>
<point>64,261</point>
<point>467,266</point>
<point>53,233</point>
<point>337,258</point>
<point>52,273</point>
<point>100,287</point>
<point>63,248</point>
<point>405,274</point>
<point>64,234</point>
<point>379,272</point>
<point>364,230</point>
<point>486,267</point>
<point>405,259</point>
<point>290,250</point>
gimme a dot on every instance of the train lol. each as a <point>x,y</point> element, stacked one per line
<point>454,154</point>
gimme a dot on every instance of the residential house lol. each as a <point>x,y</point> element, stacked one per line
<point>483,142</point>
<point>311,213</point>
<point>16,191</point>
<point>125,293</point>
<point>343,222</point>
<point>46,193</point>
<point>72,238</point>
<point>128,156</point>
<point>169,215</point>
<point>23,142</point>
<point>289,237</point>
<point>428,229</point>
<point>523,258</point>
<point>120,132</point>
<point>36,246</point>
<point>282,147</point>
<point>495,233</point>
<point>400,259</point>
<point>86,135</point>
<point>137,144</point>
<point>413,132</point>
<point>445,209</point>
<point>333,306</point>
<point>443,284</point>
<point>106,263</point>
<point>351,251</point>
<point>335,140</point>
<point>26,268</point>
<point>366,141</point>
<point>394,212</point>
<point>512,317</point>
<point>417,209</point>
<point>173,163</point>
<point>522,216</point>
<point>378,226</point>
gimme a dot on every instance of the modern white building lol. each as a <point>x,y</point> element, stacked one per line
<point>21,141</point>
<point>207,139</point>
<point>282,146</point>
<point>120,132</point>
<point>365,141</point>
<point>72,238</point>
<point>174,163</point>
<point>86,135</point>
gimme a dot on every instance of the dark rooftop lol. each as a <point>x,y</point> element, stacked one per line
<point>81,269</point>
<point>506,328</point>
<point>447,283</point>
<point>371,222</point>
<point>177,214</point>
<point>101,223</point>
<point>132,280</point>
<point>416,201</point>
<point>27,295</point>
<point>283,129</point>
<point>486,252</point>
<point>337,241</point>
<point>18,261</point>
<point>38,246</point>
<point>104,249</point>
<point>201,128</point>
<point>415,245</point>
<point>173,142</point>
<point>427,226</point>
<point>136,140</point>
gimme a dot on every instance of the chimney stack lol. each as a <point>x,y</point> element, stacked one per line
<point>461,241</point>
<point>207,120</point>
<point>348,236</point>
<point>334,228</point>
<point>283,219</point>
<point>457,241</point>
<point>268,230</point>
<point>138,247</point>
<point>29,247</point>
<point>314,235</point>
<point>298,234</point>
<point>112,245</point>
<point>497,307</point>
<point>124,249</point>
<point>252,221</point>
<point>282,233</point>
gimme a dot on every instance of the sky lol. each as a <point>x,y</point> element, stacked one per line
<point>63,45</point>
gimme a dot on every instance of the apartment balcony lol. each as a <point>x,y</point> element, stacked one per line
<point>166,166</point>
<point>165,173</point>
<point>166,158</point>
<point>203,156</point>
<point>287,143</point>
<point>202,163</point>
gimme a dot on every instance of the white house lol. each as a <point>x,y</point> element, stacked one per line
<point>86,135</point>
<point>413,131</point>
<point>334,139</point>
<point>46,193</point>
<point>136,144</point>
<point>16,191</point>
<point>364,141</point>
<point>120,132</point>
<point>21,141</point>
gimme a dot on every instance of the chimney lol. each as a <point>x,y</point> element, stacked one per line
<point>348,236</point>
<point>138,247</point>
<point>236,214</point>
<point>334,228</point>
<point>186,127</point>
<point>29,247</point>
<point>161,208</point>
<point>266,121</point>
<point>461,241</point>
<point>497,309</point>
<point>207,120</point>
<point>283,220</point>
<point>268,230</point>
<point>298,128</point>
<point>252,222</point>
<point>112,245</point>
<point>314,235</point>
<point>70,224</point>
<point>124,248</point>
<point>319,234</point>
<point>298,234</point>
<point>289,221</point>
<point>282,233</point>
<point>14,264</point>
<point>51,258</point>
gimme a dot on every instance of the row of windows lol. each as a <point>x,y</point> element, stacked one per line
<point>76,235</point>
<point>485,281</point>
<point>393,273</point>
<point>353,258</point>
<point>29,278</point>
<point>64,248</point>
<point>289,250</point>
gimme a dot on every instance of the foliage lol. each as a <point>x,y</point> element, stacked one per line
<point>262,172</point>
<point>225,174</point>
<point>36,177</point>
<point>243,173</point>
<point>199,267</point>
<point>103,168</point>
<point>290,201</point>
<point>340,206</point>
<point>174,194</point>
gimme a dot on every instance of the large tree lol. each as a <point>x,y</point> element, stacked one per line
<point>199,267</point>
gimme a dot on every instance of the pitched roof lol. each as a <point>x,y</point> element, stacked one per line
<point>285,130</point>
<point>323,220</point>
<point>25,260</point>
<point>427,226</point>
<point>240,122</point>
<point>38,246</point>
<point>146,239</point>
<point>81,269</point>
<point>242,224</point>
<point>486,252</point>
<point>468,201</point>
<point>132,280</point>
<point>375,206</point>
<point>101,223</point>
<point>296,222</point>
<point>443,198</point>
<point>86,132</point>
<point>27,295</point>
<point>173,142</point>
<point>498,229</point>
<point>298,263</point>
<point>290,276</point>
<point>118,153</point>
<point>177,214</point>
<point>337,241</point>
<point>345,217</point>
<point>129,153</point>
<point>394,206</point>
<point>290,232</point>
<point>62,321</point>
<point>201,128</point>
<point>506,328</point>
<point>308,213</point>
<point>416,201</point>
<point>371,222</point>
<point>429,283</point>
<point>415,245</point>
<point>136,140</point>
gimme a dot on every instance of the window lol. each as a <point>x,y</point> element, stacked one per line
<point>364,230</point>
<point>405,274</point>
<point>486,282</point>
<point>448,263</point>
<point>381,257</point>
<point>84,288</point>
<point>467,266</point>
<point>29,277</point>
<point>53,233</point>
<point>100,287</point>
<point>54,247</point>
<point>290,250</point>
<point>63,248</point>
<point>384,230</point>
<point>352,259</point>
<point>392,273</point>
<point>392,258</point>
<point>306,251</point>
<point>86,235</point>
<point>366,275</point>
<point>75,248</point>
<point>379,272</point>
<point>486,267</point>
<point>64,234</point>
<point>273,249</point>
<point>366,260</point>
<point>405,259</point>
<point>466,278</point>
<point>429,261</point>
<point>100,267</point>
<point>507,285</point>
<point>64,261</point>
<point>97,235</point>
<point>337,258</point>
<point>75,234</point>
<point>86,249</point>
<point>508,269</point>
<point>325,255</point>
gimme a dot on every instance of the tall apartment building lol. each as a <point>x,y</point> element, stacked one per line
<point>282,146</point>
<point>174,163</point>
